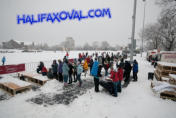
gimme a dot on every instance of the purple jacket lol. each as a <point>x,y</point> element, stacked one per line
<point>60,68</point>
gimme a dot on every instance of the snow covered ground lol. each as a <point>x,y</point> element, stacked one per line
<point>135,101</point>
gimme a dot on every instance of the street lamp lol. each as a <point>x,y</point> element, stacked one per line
<point>133,30</point>
<point>143,25</point>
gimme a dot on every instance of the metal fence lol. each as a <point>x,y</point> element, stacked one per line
<point>32,66</point>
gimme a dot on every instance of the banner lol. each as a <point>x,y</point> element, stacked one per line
<point>12,68</point>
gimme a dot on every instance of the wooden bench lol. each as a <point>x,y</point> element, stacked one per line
<point>34,78</point>
<point>13,88</point>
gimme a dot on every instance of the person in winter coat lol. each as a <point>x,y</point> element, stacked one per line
<point>106,67</point>
<point>75,72</point>
<point>135,70</point>
<point>91,64</point>
<point>3,60</point>
<point>79,71</point>
<point>85,67</point>
<point>40,66</point>
<point>120,76</point>
<point>70,72</point>
<point>67,55</point>
<point>50,74</point>
<point>60,70</point>
<point>44,71</point>
<point>115,79</point>
<point>127,71</point>
<point>94,72</point>
<point>65,72</point>
<point>54,69</point>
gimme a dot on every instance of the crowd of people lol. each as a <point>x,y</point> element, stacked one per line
<point>70,70</point>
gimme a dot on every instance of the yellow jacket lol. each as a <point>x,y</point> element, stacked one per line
<point>85,66</point>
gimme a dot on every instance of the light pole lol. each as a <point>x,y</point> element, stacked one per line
<point>133,30</point>
<point>143,25</point>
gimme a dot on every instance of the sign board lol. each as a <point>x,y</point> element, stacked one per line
<point>12,68</point>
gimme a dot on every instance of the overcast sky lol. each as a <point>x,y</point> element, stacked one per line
<point>116,30</point>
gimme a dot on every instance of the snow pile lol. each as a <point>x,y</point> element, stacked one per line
<point>165,79</point>
<point>167,64</point>
<point>40,77</point>
<point>173,76</point>
<point>163,86</point>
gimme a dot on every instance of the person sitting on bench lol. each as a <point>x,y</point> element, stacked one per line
<point>40,66</point>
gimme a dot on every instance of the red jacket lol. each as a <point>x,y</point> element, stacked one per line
<point>67,54</point>
<point>44,69</point>
<point>88,60</point>
<point>113,76</point>
<point>120,74</point>
<point>116,76</point>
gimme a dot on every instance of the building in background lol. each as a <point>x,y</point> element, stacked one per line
<point>12,44</point>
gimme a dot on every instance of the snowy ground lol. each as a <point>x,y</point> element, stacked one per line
<point>135,101</point>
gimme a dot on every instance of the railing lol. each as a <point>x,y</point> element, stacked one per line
<point>32,66</point>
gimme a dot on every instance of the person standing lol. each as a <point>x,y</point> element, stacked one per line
<point>54,69</point>
<point>115,80</point>
<point>135,70</point>
<point>60,71</point>
<point>65,72</point>
<point>75,72</point>
<point>85,66</point>
<point>120,77</point>
<point>127,71</point>
<point>94,72</point>
<point>79,71</point>
<point>3,60</point>
<point>70,72</point>
<point>106,67</point>
<point>91,64</point>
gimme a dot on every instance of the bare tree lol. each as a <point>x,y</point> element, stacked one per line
<point>68,44</point>
<point>105,45</point>
<point>95,45</point>
<point>151,36</point>
<point>87,46</point>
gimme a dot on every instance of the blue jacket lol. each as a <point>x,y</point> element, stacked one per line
<point>94,71</point>
<point>135,67</point>
<point>79,69</point>
<point>65,69</point>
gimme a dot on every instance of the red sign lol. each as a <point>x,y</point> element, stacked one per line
<point>71,60</point>
<point>12,68</point>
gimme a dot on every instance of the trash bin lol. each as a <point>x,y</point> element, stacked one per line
<point>150,75</point>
